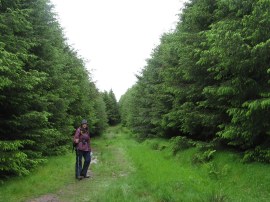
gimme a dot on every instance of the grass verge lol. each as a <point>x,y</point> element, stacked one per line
<point>144,172</point>
<point>53,175</point>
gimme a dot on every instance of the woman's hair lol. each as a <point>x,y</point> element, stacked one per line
<point>84,130</point>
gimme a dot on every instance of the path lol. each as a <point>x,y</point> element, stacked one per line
<point>128,171</point>
<point>109,164</point>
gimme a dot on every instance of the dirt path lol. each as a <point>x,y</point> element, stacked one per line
<point>56,197</point>
<point>46,198</point>
<point>108,164</point>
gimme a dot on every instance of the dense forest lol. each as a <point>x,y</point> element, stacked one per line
<point>208,79</point>
<point>112,108</point>
<point>45,89</point>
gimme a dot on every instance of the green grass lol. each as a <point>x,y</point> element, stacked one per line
<point>160,176</point>
<point>171,178</point>
<point>47,178</point>
<point>137,172</point>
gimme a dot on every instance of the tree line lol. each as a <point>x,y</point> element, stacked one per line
<point>45,89</point>
<point>208,79</point>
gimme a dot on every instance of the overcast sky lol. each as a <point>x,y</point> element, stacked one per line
<point>116,36</point>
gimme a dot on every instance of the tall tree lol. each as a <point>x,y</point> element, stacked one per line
<point>112,108</point>
<point>45,89</point>
<point>209,78</point>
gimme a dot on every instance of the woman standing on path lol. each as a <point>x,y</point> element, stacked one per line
<point>83,149</point>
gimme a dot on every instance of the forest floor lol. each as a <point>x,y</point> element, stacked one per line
<point>123,169</point>
<point>108,164</point>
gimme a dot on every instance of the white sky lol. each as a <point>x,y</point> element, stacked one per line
<point>116,36</point>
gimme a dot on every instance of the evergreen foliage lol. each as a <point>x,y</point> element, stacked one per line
<point>45,90</point>
<point>112,108</point>
<point>208,79</point>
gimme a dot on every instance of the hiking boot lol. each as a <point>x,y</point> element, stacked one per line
<point>80,177</point>
<point>87,176</point>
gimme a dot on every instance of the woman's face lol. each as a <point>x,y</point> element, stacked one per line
<point>84,125</point>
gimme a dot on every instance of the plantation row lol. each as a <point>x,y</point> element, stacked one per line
<point>45,90</point>
<point>209,79</point>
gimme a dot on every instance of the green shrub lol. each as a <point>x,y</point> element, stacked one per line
<point>180,143</point>
<point>162,147</point>
<point>202,146</point>
<point>203,157</point>
<point>217,172</point>
<point>258,154</point>
<point>155,146</point>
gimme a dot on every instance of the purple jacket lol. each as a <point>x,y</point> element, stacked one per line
<point>84,140</point>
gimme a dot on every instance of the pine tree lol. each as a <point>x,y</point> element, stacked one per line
<point>45,90</point>
<point>208,79</point>
<point>112,108</point>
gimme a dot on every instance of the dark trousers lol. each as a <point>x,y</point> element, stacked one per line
<point>79,169</point>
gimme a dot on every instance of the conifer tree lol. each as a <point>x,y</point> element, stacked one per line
<point>208,79</point>
<point>112,108</point>
<point>45,90</point>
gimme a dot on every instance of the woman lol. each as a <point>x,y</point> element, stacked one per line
<point>83,149</point>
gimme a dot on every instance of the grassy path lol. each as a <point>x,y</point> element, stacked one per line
<point>112,166</point>
<point>136,172</point>
<point>55,180</point>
